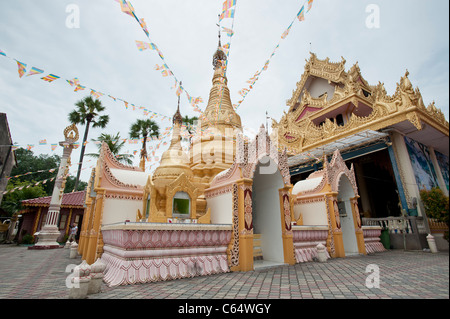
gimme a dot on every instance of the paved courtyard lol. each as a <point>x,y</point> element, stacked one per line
<point>33,274</point>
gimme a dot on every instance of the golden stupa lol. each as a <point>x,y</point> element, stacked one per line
<point>213,148</point>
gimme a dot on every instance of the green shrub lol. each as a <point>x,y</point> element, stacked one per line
<point>436,205</point>
<point>27,239</point>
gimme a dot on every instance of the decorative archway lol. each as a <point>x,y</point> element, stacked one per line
<point>343,185</point>
<point>321,194</point>
<point>239,180</point>
<point>250,157</point>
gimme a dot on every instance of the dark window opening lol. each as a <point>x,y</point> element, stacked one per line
<point>340,120</point>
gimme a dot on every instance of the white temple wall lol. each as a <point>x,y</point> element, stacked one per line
<point>320,86</point>
<point>130,177</point>
<point>314,213</point>
<point>221,208</point>
<point>119,210</point>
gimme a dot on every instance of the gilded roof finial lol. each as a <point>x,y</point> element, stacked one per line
<point>177,118</point>
<point>219,55</point>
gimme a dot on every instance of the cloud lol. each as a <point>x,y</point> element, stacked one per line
<point>103,55</point>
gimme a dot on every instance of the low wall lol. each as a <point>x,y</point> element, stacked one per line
<point>147,252</point>
<point>372,239</point>
<point>306,238</point>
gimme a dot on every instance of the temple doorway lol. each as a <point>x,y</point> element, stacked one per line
<point>267,226</point>
<point>346,216</point>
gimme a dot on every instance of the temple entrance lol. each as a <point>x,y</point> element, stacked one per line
<point>267,226</point>
<point>346,216</point>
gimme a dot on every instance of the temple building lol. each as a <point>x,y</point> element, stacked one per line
<point>396,145</point>
<point>232,205</point>
<point>35,212</point>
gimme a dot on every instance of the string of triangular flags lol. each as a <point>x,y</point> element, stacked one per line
<point>75,83</point>
<point>134,141</point>
<point>301,17</point>
<point>29,185</point>
<point>128,9</point>
<point>53,146</point>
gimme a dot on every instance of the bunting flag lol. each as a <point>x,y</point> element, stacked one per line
<point>141,45</point>
<point>179,90</point>
<point>73,82</point>
<point>144,26</point>
<point>50,78</point>
<point>35,71</point>
<point>310,2</point>
<point>21,68</point>
<point>228,4</point>
<point>228,31</point>
<point>126,7</point>
<point>2,53</point>
<point>53,146</point>
<point>301,14</point>
<point>285,33</point>
<point>79,88</point>
<point>227,14</point>
<point>43,142</point>
<point>96,94</point>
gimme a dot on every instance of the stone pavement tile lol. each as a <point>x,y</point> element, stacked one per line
<point>402,275</point>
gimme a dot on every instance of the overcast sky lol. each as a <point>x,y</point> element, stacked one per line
<point>102,53</point>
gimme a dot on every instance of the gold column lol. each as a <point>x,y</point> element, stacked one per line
<point>336,231</point>
<point>36,221</point>
<point>245,232</point>
<point>90,203</point>
<point>286,210</point>
<point>358,229</point>
<point>93,233</point>
<point>68,221</point>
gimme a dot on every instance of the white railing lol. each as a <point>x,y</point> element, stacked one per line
<point>398,225</point>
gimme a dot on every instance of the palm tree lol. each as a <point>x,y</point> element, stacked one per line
<point>87,112</point>
<point>115,145</point>
<point>143,129</point>
<point>189,122</point>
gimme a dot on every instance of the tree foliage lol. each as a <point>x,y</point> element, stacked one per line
<point>115,144</point>
<point>143,129</point>
<point>436,204</point>
<point>11,202</point>
<point>87,112</point>
<point>29,167</point>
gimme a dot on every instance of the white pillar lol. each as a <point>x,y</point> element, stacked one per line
<point>50,232</point>
<point>437,169</point>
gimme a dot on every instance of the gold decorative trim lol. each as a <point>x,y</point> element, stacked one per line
<point>406,104</point>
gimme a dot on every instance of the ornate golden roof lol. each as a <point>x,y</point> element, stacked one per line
<point>331,71</point>
<point>174,160</point>
<point>299,133</point>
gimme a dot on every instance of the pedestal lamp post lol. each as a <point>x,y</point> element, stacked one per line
<point>50,232</point>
